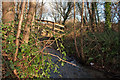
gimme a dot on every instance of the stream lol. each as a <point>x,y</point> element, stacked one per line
<point>70,71</point>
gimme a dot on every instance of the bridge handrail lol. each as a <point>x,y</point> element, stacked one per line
<point>57,24</point>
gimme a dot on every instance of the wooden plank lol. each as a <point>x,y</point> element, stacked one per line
<point>58,29</point>
<point>49,26</point>
<point>55,28</point>
<point>51,22</point>
<point>59,25</point>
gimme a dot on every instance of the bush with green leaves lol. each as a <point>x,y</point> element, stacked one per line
<point>102,48</point>
<point>32,59</point>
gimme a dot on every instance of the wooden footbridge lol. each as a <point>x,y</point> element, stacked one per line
<point>50,28</point>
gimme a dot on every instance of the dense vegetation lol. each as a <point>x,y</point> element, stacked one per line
<point>32,59</point>
<point>88,39</point>
<point>100,48</point>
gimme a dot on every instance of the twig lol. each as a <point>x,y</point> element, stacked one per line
<point>54,56</point>
<point>37,54</point>
<point>60,58</point>
<point>49,40</point>
<point>41,51</point>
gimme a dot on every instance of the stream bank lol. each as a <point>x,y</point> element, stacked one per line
<point>70,71</point>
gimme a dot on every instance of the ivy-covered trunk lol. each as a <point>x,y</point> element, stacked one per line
<point>8,16</point>
<point>107,15</point>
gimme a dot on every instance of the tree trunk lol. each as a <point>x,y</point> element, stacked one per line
<point>19,29</point>
<point>90,14</point>
<point>119,27</point>
<point>107,15</point>
<point>18,10</point>
<point>93,17</point>
<point>81,31</point>
<point>67,13</point>
<point>85,17</point>
<point>96,16</point>
<point>75,34</point>
<point>18,34</point>
<point>98,19</point>
<point>26,9</point>
<point>8,16</point>
<point>119,13</point>
<point>41,12</point>
<point>29,21</point>
<point>8,12</point>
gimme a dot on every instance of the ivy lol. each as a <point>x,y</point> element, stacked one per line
<point>30,61</point>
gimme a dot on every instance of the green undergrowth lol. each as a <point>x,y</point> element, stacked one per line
<point>32,60</point>
<point>100,48</point>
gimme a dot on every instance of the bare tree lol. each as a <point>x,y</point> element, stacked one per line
<point>40,9</point>
<point>92,15</point>
<point>79,7</point>
<point>64,9</point>
<point>55,15</point>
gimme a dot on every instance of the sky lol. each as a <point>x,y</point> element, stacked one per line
<point>100,8</point>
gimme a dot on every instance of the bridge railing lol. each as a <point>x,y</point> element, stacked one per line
<point>57,29</point>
